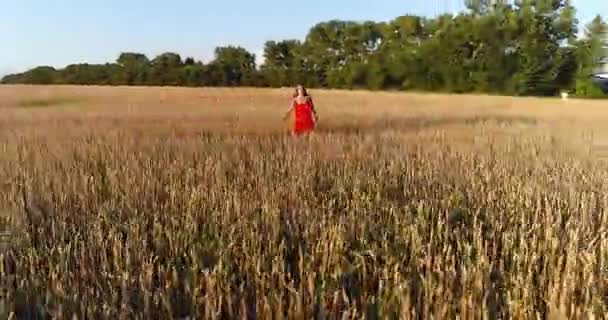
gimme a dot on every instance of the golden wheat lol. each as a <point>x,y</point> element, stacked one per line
<point>129,207</point>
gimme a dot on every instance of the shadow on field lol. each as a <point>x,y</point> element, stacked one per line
<point>213,129</point>
<point>420,123</point>
<point>51,102</point>
<point>375,126</point>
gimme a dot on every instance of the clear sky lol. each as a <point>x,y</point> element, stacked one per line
<point>61,32</point>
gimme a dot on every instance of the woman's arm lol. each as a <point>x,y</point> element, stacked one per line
<point>289,110</point>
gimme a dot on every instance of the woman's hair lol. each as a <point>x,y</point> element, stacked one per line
<point>304,91</point>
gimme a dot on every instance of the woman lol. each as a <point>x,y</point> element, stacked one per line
<point>305,115</point>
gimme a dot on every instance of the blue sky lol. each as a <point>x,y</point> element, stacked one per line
<point>60,32</point>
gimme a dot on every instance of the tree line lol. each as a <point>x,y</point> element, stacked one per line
<point>521,48</point>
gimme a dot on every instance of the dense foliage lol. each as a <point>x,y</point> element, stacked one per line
<point>525,48</point>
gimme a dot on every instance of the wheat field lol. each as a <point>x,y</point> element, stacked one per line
<point>169,203</point>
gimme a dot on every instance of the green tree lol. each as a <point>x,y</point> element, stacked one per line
<point>544,26</point>
<point>40,75</point>
<point>280,62</point>
<point>135,68</point>
<point>233,66</point>
<point>165,69</point>
<point>85,74</point>
<point>521,47</point>
<point>589,51</point>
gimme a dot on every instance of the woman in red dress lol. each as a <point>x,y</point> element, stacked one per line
<point>305,115</point>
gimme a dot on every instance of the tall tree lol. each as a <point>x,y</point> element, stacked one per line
<point>234,66</point>
<point>280,62</point>
<point>589,51</point>
<point>165,69</point>
<point>544,26</point>
<point>134,66</point>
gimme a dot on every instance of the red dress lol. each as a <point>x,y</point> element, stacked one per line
<point>304,117</point>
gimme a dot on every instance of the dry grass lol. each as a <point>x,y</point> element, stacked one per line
<point>165,203</point>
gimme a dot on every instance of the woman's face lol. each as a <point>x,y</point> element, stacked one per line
<point>300,91</point>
